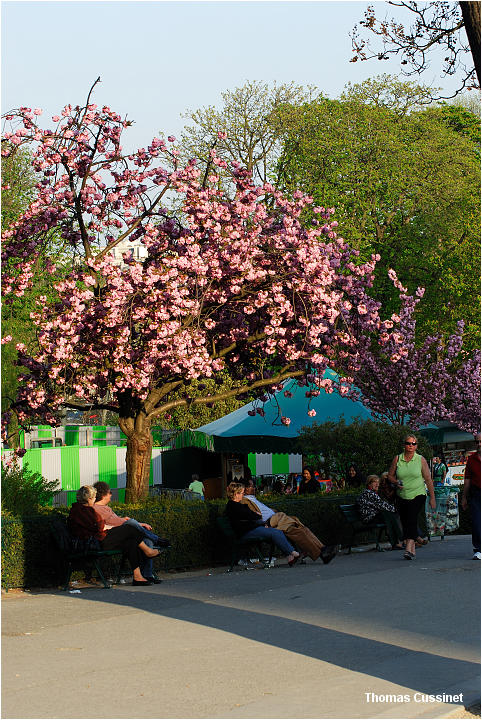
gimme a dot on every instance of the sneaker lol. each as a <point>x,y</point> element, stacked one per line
<point>477,556</point>
<point>162,543</point>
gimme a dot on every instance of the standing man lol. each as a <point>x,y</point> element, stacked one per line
<point>439,470</point>
<point>471,492</point>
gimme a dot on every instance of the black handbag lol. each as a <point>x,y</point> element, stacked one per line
<point>82,545</point>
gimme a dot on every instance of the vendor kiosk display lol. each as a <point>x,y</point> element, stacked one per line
<point>455,461</point>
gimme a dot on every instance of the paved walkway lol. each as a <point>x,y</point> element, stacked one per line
<point>311,641</point>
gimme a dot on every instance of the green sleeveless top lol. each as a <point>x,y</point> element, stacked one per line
<point>410,473</point>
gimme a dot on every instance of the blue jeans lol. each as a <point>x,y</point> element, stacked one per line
<point>267,533</point>
<point>146,564</point>
<point>475,513</point>
<point>148,533</point>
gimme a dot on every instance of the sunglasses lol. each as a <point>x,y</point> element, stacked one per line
<point>410,443</point>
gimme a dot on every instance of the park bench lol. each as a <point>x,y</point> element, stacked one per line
<point>239,547</point>
<point>357,526</point>
<point>69,559</point>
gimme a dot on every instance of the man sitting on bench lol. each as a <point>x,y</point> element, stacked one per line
<point>101,506</point>
<point>292,527</point>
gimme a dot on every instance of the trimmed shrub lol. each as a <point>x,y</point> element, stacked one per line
<point>24,491</point>
<point>29,558</point>
<point>369,445</point>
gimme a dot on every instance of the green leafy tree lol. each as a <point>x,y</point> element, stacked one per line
<point>389,92</point>
<point>369,445</point>
<point>18,186</point>
<point>18,192</point>
<point>194,416</point>
<point>241,130</point>
<point>405,184</point>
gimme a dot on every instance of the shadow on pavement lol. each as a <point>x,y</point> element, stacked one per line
<point>383,660</point>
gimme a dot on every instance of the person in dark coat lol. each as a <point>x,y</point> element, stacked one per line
<point>84,522</point>
<point>249,525</point>
<point>354,477</point>
<point>308,484</point>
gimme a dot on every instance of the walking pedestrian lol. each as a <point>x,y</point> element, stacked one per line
<point>471,493</point>
<point>411,473</point>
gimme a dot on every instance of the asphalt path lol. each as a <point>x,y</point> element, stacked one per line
<point>368,636</point>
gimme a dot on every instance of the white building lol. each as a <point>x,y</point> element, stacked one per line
<point>135,248</point>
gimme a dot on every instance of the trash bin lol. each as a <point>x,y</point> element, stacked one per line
<point>445,517</point>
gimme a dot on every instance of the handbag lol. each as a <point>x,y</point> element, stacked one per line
<point>85,545</point>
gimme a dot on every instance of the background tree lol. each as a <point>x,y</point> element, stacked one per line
<point>369,445</point>
<point>18,192</point>
<point>225,286</point>
<point>193,416</point>
<point>405,185</point>
<point>241,130</point>
<point>18,185</point>
<point>452,26</point>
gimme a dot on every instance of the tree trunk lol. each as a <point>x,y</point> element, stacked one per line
<point>471,16</point>
<point>13,432</point>
<point>138,457</point>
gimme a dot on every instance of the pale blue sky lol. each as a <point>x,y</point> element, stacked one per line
<point>159,59</point>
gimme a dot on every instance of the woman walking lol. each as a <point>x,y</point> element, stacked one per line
<point>411,473</point>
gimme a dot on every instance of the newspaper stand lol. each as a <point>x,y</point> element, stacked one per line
<point>445,517</point>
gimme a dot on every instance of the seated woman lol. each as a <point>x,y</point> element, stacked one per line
<point>353,477</point>
<point>248,524</point>
<point>84,522</point>
<point>372,508</point>
<point>309,483</point>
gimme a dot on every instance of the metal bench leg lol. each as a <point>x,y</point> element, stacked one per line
<point>121,567</point>
<point>101,574</point>
<point>380,531</point>
<point>68,575</point>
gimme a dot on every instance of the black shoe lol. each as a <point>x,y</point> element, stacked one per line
<point>328,553</point>
<point>141,583</point>
<point>162,543</point>
<point>154,580</point>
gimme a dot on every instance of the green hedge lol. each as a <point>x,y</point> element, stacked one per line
<point>28,557</point>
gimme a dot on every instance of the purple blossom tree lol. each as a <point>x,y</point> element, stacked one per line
<point>406,382</point>
<point>462,402</point>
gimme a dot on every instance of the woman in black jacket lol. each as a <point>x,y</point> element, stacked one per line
<point>248,524</point>
<point>308,484</point>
